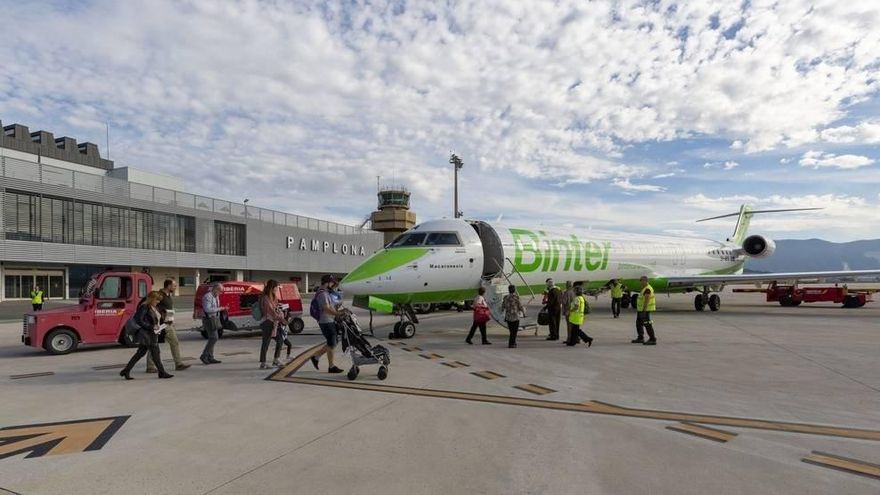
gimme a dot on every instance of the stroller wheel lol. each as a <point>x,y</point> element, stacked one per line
<point>353,373</point>
<point>383,372</point>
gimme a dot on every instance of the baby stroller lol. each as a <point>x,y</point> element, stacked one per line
<point>359,348</point>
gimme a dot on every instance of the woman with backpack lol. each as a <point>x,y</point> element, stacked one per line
<point>147,320</point>
<point>270,319</point>
<point>481,317</point>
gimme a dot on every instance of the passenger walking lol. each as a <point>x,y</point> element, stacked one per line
<point>579,308</point>
<point>37,298</point>
<point>567,298</point>
<point>645,305</point>
<point>513,308</point>
<point>147,319</point>
<point>166,310</point>
<point>616,296</point>
<point>327,322</point>
<point>270,322</point>
<point>553,301</point>
<point>481,317</point>
<point>211,322</point>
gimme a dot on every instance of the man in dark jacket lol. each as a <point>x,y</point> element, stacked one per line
<point>553,301</point>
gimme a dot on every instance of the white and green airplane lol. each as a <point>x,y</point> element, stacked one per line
<point>448,260</point>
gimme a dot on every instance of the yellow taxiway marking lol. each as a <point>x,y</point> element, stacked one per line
<point>854,466</point>
<point>296,363</point>
<point>703,432</point>
<point>592,407</point>
<point>487,375</point>
<point>535,389</point>
<point>31,375</point>
<point>452,364</point>
<point>65,437</point>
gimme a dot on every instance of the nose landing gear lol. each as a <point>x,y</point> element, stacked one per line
<point>406,327</point>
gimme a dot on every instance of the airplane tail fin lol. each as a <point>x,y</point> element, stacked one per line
<point>744,216</point>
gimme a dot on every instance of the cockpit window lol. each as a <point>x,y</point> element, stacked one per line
<point>408,240</point>
<point>443,239</point>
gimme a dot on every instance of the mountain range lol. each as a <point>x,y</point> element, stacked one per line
<point>809,255</point>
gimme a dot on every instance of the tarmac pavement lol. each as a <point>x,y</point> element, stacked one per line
<point>439,428</point>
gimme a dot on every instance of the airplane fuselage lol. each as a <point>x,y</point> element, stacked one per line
<point>446,260</point>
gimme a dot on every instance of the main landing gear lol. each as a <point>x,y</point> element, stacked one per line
<point>706,299</point>
<point>406,327</point>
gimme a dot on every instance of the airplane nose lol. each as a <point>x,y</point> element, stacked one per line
<point>381,263</point>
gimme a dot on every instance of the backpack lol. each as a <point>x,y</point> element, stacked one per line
<point>315,306</point>
<point>257,310</point>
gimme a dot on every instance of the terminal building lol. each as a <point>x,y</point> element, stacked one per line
<point>68,213</point>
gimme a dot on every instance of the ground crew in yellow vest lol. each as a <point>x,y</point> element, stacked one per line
<point>576,312</point>
<point>645,305</point>
<point>37,298</point>
<point>616,296</point>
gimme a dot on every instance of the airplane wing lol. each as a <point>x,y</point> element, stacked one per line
<point>751,278</point>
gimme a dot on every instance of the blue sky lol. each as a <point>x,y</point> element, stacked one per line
<point>640,116</point>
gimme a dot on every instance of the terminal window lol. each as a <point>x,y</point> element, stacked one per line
<point>229,238</point>
<point>33,217</point>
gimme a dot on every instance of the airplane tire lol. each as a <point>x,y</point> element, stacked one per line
<point>407,330</point>
<point>624,301</point>
<point>634,301</point>
<point>395,333</point>
<point>714,302</point>
<point>699,305</point>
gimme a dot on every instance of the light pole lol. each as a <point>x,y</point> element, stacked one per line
<point>457,164</point>
<point>245,207</point>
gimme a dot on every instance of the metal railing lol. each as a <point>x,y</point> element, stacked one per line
<point>14,168</point>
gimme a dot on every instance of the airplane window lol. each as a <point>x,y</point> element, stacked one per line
<point>408,240</point>
<point>442,239</point>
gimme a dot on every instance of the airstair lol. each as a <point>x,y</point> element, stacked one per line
<point>496,288</point>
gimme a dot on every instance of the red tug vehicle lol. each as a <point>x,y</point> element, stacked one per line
<point>794,295</point>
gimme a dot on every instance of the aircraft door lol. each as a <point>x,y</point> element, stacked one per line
<point>493,250</point>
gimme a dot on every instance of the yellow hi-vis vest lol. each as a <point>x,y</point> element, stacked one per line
<point>640,303</point>
<point>576,314</point>
<point>36,297</point>
<point>616,290</point>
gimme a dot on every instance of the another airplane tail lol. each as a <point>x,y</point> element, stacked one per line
<point>744,216</point>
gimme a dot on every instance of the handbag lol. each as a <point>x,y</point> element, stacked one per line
<point>131,328</point>
<point>544,316</point>
<point>481,314</point>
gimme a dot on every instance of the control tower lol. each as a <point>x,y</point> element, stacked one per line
<point>393,216</point>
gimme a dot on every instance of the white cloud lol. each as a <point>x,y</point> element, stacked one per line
<point>626,185</point>
<point>664,176</point>
<point>784,160</point>
<point>728,165</point>
<point>286,102</point>
<point>819,159</point>
<point>866,132</point>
